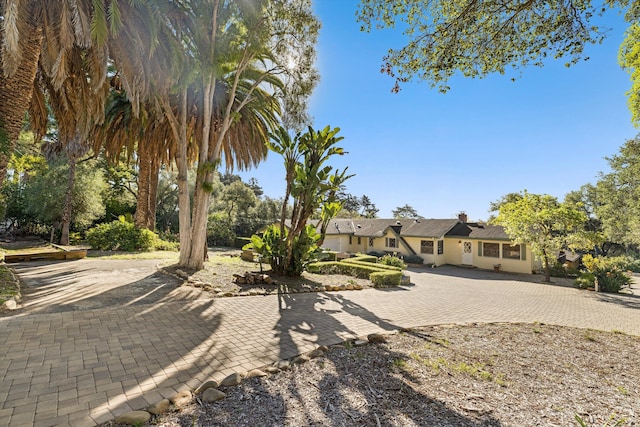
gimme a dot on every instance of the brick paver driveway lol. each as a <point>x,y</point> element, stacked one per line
<point>89,363</point>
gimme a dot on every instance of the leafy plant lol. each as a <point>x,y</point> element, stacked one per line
<point>392,261</point>
<point>610,273</point>
<point>124,236</point>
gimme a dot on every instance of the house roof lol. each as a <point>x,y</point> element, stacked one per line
<point>377,227</point>
<point>423,227</point>
<point>474,230</point>
<point>428,227</point>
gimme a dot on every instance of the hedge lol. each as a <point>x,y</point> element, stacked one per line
<point>364,258</point>
<point>386,278</point>
<point>380,275</point>
<point>361,271</point>
<point>369,264</point>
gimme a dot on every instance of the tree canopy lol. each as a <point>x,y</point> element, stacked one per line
<point>406,211</point>
<point>542,222</point>
<point>477,38</point>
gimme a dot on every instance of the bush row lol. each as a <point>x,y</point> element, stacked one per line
<point>336,267</point>
<point>124,236</point>
<point>379,274</point>
<point>354,261</point>
<point>386,278</point>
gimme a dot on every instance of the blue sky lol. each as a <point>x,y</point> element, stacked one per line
<point>547,132</point>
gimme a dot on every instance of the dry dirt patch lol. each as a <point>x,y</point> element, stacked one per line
<point>475,375</point>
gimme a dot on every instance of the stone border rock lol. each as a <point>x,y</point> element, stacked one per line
<point>209,391</point>
<point>14,302</point>
<point>277,289</point>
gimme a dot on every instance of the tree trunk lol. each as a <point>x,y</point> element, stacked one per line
<point>184,205</point>
<point>153,193</point>
<point>68,202</point>
<point>15,95</point>
<point>547,268</point>
<point>144,172</point>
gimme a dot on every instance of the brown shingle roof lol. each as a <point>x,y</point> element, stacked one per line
<point>376,227</point>
<point>474,230</point>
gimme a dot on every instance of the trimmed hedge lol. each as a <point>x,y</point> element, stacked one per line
<point>386,278</point>
<point>361,271</point>
<point>364,258</point>
<point>369,264</point>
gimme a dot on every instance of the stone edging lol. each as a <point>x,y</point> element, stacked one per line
<point>14,302</point>
<point>277,289</point>
<point>210,392</point>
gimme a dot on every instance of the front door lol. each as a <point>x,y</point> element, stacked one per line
<point>467,253</point>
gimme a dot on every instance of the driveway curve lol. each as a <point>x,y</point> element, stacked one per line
<point>99,338</point>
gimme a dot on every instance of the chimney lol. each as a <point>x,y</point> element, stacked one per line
<point>462,217</point>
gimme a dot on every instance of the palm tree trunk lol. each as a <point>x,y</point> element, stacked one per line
<point>153,193</point>
<point>142,199</point>
<point>15,95</point>
<point>68,202</point>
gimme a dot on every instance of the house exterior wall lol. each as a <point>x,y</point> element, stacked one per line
<point>338,243</point>
<point>453,250</point>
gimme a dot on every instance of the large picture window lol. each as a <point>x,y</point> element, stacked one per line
<point>511,251</point>
<point>426,247</point>
<point>491,250</point>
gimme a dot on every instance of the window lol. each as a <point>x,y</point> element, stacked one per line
<point>359,240</point>
<point>440,247</point>
<point>491,250</point>
<point>370,241</point>
<point>350,240</point>
<point>426,247</point>
<point>510,252</point>
<point>390,242</point>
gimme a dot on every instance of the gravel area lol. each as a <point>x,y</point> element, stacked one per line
<point>472,375</point>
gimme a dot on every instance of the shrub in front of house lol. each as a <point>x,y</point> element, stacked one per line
<point>413,259</point>
<point>362,271</point>
<point>392,261</point>
<point>354,261</point>
<point>364,258</point>
<point>386,278</point>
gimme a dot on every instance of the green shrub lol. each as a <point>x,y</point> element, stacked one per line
<point>559,270</point>
<point>121,235</point>
<point>165,245</point>
<point>354,261</point>
<point>364,258</point>
<point>361,270</point>
<point>392,261</point>
<point>611,273</point>
<point>633,264</point>
<point>585,280</point>
<point>386,278</point>
<point>414,259</point>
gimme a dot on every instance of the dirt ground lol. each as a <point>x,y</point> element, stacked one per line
<point>473,375</point>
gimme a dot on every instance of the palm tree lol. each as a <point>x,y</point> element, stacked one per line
<point>47,36</point>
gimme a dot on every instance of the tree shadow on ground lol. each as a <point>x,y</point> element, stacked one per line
<point>351,386</point>
<point>54,287</point>
<point>625,300</point>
